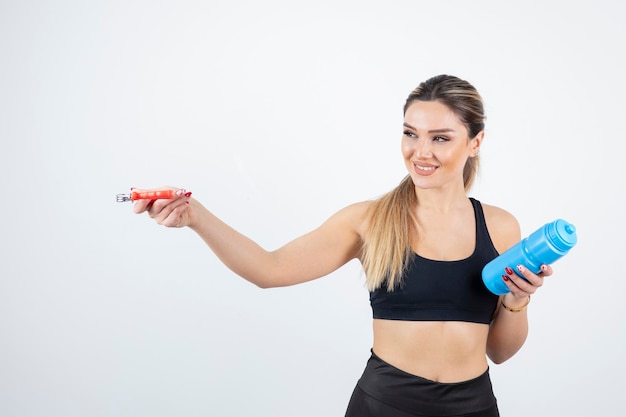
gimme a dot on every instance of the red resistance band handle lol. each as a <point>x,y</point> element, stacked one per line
<point>152,195</point>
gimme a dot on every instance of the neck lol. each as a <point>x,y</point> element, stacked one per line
<point>441,200</point>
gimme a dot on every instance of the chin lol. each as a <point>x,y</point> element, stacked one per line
<point>424,184</point>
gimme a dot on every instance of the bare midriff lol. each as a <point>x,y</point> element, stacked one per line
<point>448,351</point>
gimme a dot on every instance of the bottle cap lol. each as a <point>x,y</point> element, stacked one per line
<point>562,235</point>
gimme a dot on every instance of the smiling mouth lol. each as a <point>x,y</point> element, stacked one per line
<point>424,168</point>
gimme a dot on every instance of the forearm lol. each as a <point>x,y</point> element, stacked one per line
<point>239,253</point>
<point>509,329</point>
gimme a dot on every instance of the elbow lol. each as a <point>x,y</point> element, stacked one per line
<point>261,280</point>
<point>267,282</point>
<point>499,356</point>
<point>264,285</point>
<point>498,360</point>
<point>265,275</point>
<point>494,357</point>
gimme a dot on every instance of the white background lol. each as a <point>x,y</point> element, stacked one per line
<point>276,114</point>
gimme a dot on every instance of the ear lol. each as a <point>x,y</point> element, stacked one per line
<point>476,143</point>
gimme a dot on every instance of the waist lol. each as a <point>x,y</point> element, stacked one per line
<point>420,396</point>
<point>438,351</point>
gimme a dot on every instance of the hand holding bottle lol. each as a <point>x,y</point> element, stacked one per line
<point>543,247</point>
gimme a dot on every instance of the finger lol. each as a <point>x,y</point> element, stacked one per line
<point>178,217</point>
<point>140,206</point>
<point>512,283</point>
<point>525,280</point>
<point>159,209</point>
<point>162,212</point>
<point>530,277</point>
<point>546,271</point>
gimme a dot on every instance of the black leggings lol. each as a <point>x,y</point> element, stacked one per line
<point>386,391</point>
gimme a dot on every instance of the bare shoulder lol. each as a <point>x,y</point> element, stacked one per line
<point>503,227</point>
<point>359,209</point>
<point>356,215</point>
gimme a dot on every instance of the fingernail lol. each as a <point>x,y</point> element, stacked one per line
<point>132,188</point>
<point>520,268</point>
<point>508,270</point>
<point>505,278</point>
<point>544,267</point>
<point>188,194</point>
<point>180,192</point>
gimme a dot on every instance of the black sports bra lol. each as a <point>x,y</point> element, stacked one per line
<point>433,290</point>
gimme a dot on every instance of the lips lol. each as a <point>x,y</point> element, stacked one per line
<point>424,169</point>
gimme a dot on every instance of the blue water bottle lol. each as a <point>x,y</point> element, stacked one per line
<point>546,245</point>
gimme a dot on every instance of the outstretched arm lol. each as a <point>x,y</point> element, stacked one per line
<point>311,256</point>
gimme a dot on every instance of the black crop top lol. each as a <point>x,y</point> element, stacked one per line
<point>433,290</point>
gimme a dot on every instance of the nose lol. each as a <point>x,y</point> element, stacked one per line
<point>423,149</point>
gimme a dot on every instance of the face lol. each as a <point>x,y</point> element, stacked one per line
<point>435,145</point>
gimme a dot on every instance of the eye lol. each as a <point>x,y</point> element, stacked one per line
<point>409,134</point>
<point>440,139</point>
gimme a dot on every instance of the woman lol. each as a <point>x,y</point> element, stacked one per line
<point>422,246</point>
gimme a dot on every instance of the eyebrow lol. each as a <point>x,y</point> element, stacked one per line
<point>443,130</point>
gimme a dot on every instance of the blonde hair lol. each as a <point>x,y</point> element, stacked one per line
<point>387,248</point>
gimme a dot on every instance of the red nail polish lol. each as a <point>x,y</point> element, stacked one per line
<point>508,270</point>
<point>188,194</point>
<point>504,277</point>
